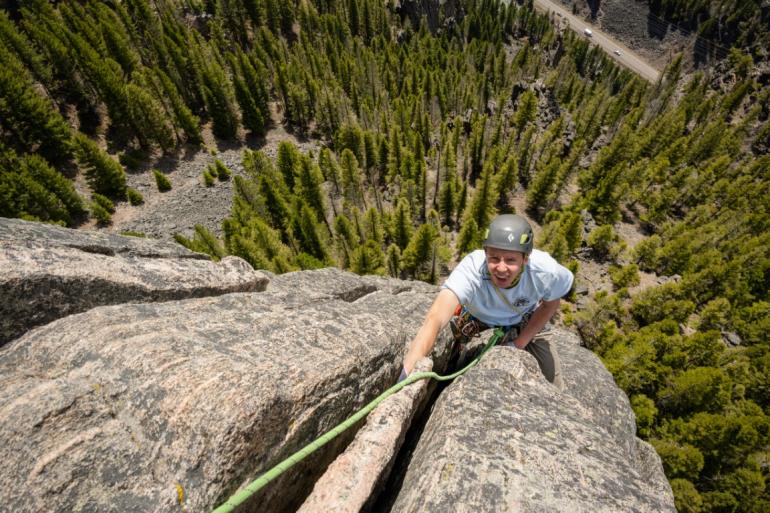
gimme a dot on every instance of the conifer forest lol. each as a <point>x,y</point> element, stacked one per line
<point>429,126</point>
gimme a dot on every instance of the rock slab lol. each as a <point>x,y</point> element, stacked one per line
<point>501,438</point>
<point>49,272</point>
<point>355,478</point>
<point>159,407</point>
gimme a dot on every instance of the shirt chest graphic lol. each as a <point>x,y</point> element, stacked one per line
<point>520,302</point>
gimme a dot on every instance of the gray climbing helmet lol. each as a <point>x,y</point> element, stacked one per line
<point>510,232</point>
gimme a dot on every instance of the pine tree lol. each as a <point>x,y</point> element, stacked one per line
<point>134,197</point>
<point>183,116</point>
<point>505,181</point>
<point>526,111</point>
<point>259,245</point>
<point>250,92</point>
<point>222,171</point>
<point>31,189</point>
<point>482,205</point>
<point>309,187</point>
<point>33,123</point>
<point>368,259</point>
<point>469,237</point>
<point>330,169</point>
<point>148,118</point>
<point>17,41</point>
<point>347,239</point>
<point>373,229</point>
<point>525,149</point>
<point>394,261</point>
<point>288,162</point>
<point>306,230</point>
<point>274,193</point>
<point>352,180</point>
<point>101,214</point>
<point>161,181</point>
<point>104,174</point>
<point>216,89</point>
<point>55,182</point>
<point>402,224</point>
<point>542,186</point>
<point>419,257</point>
<point>476,149</point>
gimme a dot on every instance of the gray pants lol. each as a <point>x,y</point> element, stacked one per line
<point>543,348</point>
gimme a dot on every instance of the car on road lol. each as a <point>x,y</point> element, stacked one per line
<point>616,51</point>
<point>588,32</point>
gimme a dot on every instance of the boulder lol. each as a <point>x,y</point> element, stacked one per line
<point>50,272</point>
<point>731,338</point>
<point>501,438</point>
<point>92,241</point>
<point>158,407</point>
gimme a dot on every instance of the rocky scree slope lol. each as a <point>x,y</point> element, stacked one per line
<point>152,406</point>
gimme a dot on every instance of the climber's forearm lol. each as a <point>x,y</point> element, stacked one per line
<point>539,319</point>
<point>438,316</point>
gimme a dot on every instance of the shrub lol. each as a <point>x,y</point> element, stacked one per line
<point>659,303</point>
<point>626,276</point>
<point>208,180</point>
<point>680,460</point>
<point>221,170</point>
<point>686,496</point>
<point>162,181</point>
<point>101,214</point>
<point>134,197</point>
<point>645,253</point>
<point>715,315</point>
<point>605,242</point>
<point>104,202</point>
<point>130,161</point>
<point>645,412</point>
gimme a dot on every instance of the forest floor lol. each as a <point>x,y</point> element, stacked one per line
<point>190,201</point>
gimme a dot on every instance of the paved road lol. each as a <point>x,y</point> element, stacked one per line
<point>613,47</point>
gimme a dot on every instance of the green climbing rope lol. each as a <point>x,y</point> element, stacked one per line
<point>259,483</point>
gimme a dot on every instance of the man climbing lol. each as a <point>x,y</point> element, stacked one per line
<point>507,284</point>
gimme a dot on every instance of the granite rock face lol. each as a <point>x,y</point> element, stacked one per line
<point>91,241</point>
<point>354,479</point>
<point>501,438</point>
<point>149,407</point>
<point>49,272</point>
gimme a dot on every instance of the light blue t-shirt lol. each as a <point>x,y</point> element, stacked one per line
<point>543,278</point>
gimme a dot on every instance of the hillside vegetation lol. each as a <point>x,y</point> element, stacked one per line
<point>730,23</point>
<point>430,131</point>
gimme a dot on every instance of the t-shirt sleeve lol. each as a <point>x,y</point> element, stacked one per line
<point>560,282</point>
<point>463,280</point>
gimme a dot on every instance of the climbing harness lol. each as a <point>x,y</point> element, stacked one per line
<point>259,483</point>
<point>465,326</point>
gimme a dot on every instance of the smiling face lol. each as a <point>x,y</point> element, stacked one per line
<point>504,265</point>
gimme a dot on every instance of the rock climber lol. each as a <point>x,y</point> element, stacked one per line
<point>506,284</point>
